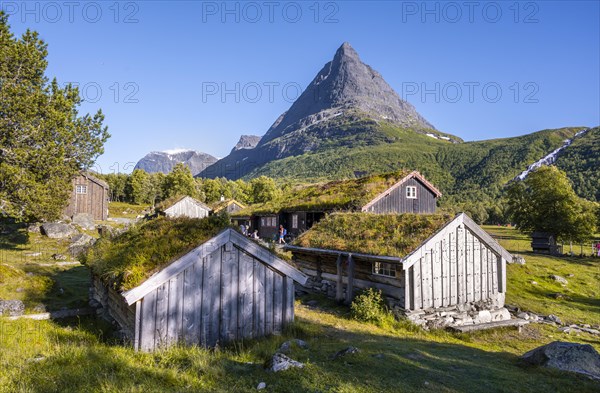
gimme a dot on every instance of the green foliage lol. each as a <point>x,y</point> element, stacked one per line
<point>581,162</point>
<point>377,234</point>
<point>545,202</point>
<point>368,306</point>
<point>44,141</point>
<point>263,189</point>
<point>130,258</point>
<point>179,182</point>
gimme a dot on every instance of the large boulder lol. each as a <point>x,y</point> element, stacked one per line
<point>11,308</point>
<point>80,243</point>
<point>84,220</point>
<point>578,358</point>
<point>58,230</point>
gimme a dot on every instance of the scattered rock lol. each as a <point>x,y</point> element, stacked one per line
<point>560,296</point>
<point>12,308</point>
<point>261,386</point>
<point>287,346</point>
<point>106,230</point>
<point>59,257</point>
<point>500,314</point>
<point>34,228</point>
<point>534,283</point>
<point>58,230</point>
<point>33,254</point>
<point>84,220</point>
<point>554,318</point>
<point>440,323</point>
<point>570,275</point>
<point>519,260</point>
<point>19,290</point>
<point>40,308</point>
<point>523,315</point>
<point>80,243</point>
<point>566,356</point>
<point>483,316</point>
<point>280,362</point>
<point>559,279</point>
<point>346,351</point>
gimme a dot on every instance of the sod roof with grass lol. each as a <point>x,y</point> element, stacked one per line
<point>127,260</point>
<point>350,194</point>
<point>394,235</point>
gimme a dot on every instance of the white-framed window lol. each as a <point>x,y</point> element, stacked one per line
<point>294,221</point>
<point>262,222</point>
<point>80,189</point>
<point>384,269</point>
<point>411,192</point>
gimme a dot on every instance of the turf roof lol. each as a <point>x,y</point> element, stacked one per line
<point>351,194</point>
<point>376,234</point>
<point>129,259</point>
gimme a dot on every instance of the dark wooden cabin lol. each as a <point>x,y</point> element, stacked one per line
<point>228,288</point>
<point>229,206</point>
<point>404,192</point>
<point>544,243</point>
<point>89,195</point>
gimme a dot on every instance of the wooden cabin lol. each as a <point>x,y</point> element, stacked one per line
<point>451,266</point>
<point>89,195</point>
<point>228,288</point>
<point>400,192</point>
<point>228,206</point>
<point>184,207</point>
<point>544,243</point>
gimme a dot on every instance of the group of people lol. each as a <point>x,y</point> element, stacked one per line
<point>597,249</point>
<point>254,235</point>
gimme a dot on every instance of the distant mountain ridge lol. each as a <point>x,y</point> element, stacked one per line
<point>165,161</point>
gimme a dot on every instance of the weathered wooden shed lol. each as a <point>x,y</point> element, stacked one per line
<point>184,207</point>
<point>452,266</point>
<point>89,195</point>
<point>544,243</point>
<point>228,288</point>
<point>399,192</point>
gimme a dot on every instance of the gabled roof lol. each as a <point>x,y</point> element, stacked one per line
<point>220,205</point>
<point>338,195</point>
<point>399,238</point>
<point>412,175</point>
<point>206,248</point>
<point>94,179</point>
<point>167,204</point>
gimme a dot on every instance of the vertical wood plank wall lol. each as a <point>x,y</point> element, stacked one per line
<point>227,295</point>
<point>457,270</point>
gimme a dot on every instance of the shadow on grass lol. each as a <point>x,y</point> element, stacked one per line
<point>384,364</point>
<point>12,235</point>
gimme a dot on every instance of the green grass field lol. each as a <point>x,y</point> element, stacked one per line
<point>82,355</point>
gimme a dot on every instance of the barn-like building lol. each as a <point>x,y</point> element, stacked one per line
<point>427,266</point>
<point>89,195</point>
<point>226,288</point>
<point>184,206</point>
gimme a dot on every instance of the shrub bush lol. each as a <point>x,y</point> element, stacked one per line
<point>369,306</point>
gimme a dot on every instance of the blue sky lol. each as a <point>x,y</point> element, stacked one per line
<point>197,75</point>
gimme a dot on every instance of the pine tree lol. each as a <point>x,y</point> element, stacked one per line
<point>44,141</point>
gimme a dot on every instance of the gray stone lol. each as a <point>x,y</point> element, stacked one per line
<point>287,346</point>
<point>440,323</point>
<point>80,243</point>
<point>554,318</point>
<point>34,228</point>
<point>559,279</point>
<point>346,351</point>
<point>59,257</point>
<point>58,230</point>
<point>165,161</point>
<point>566,356</point>
<point>523,315</point>
<point>500,315</point>
<point>84,220</point>
<point>246,142</point>
<point>12,308</point>
<point>534,283</point>
<point>519,260</point>
<point>261,386</point>
<point>280,362</point>
<point>483,316</point>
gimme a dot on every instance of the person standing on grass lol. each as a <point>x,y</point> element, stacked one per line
<point>282,233</point>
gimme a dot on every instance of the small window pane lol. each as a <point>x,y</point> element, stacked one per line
<point>80,189</point>
<point>295,221</point>
<point>411,192</point>
<point>384,269</point>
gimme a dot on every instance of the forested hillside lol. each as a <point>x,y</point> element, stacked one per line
<point>581,161</point>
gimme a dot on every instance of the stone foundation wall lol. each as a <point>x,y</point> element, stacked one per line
<point>462,314</point>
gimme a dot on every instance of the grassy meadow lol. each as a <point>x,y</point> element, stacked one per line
<point>83,354</point>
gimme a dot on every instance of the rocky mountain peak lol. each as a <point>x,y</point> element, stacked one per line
<point>346,83</point>
<point>246,142</point>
